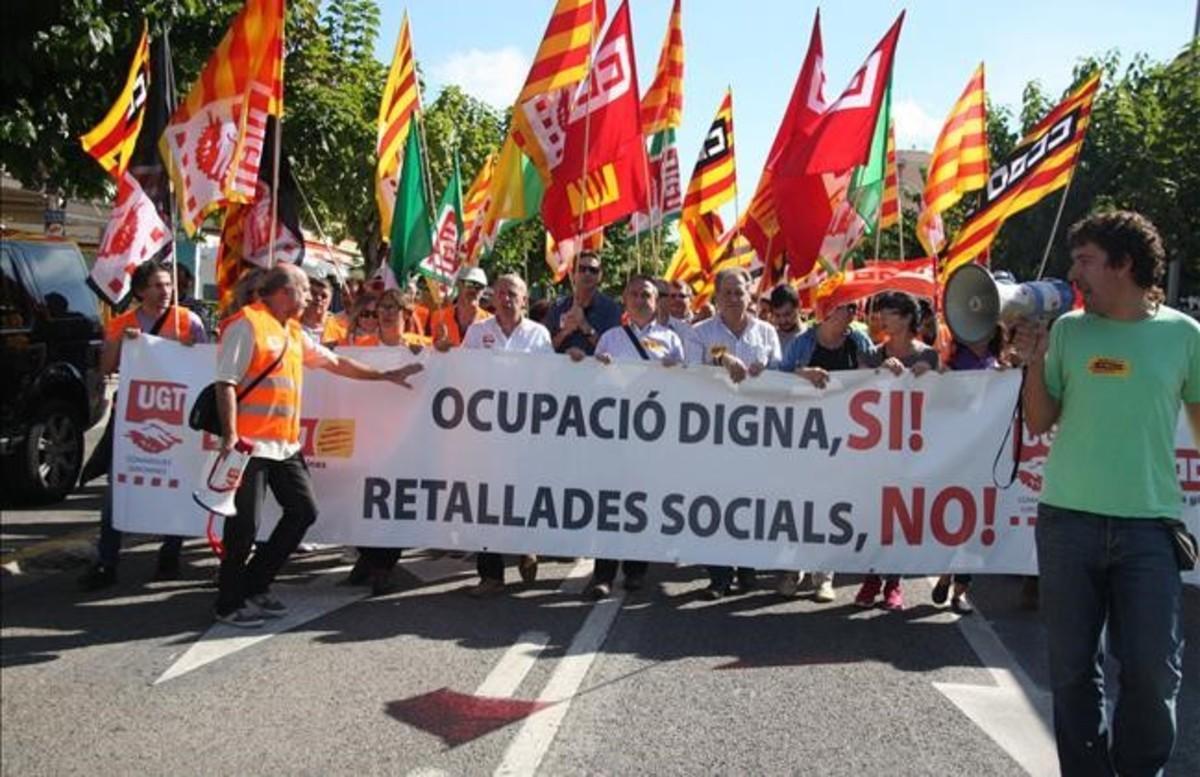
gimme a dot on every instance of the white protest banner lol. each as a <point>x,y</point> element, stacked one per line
<point>533,453</point>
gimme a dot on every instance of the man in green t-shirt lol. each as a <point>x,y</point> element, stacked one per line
<point>1112,377</point>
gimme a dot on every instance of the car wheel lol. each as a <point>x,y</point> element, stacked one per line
<point>53,452</point>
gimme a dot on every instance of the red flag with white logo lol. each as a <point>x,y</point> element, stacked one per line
<point>602,176</point>
<point>135,233</point>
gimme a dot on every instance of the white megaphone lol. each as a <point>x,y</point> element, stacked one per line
<point>975,301</point>
<point>224,470</point>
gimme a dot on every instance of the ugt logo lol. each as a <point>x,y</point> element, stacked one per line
<point>153,405</point>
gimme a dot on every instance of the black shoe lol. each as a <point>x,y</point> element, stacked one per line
<point>599,591</point>
<point>747,582</point>
<point>382,583</point>
<point>98,577</point>
<point>715,592</point>
<point>360,574</point>
<point>167,569</point>
<point>941,591</point>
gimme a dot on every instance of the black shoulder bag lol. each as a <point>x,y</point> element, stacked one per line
<point>636,342</point>
<point>205,417</point>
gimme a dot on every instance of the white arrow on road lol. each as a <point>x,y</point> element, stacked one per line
<point>305,603</point>
<point>1014,713</point>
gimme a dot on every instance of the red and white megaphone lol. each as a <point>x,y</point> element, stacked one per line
<point>225,470</point>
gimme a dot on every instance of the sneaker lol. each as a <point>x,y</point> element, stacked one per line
<point>267,605</point>
<point>528,567</point>
<point>599,591</point>
<point>941,591</point>
<point>789,583</point>
<point>867,592</point>
<point>241,619</point>
<point>893,597</point>
<point>97,578</point>
<point>485,588</point>
<point>825,592</point>
<point>714,592</point>
<point>635,583</point>
<point>960,603</point>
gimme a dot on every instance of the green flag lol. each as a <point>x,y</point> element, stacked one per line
<point>866,186</point>
<point>441,264</point>
<point>411,238</point>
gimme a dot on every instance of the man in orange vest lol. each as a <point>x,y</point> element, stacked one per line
<point>154,314</point>
<point>449,323</point>
<point>324,327</point>
<point>266,339</point>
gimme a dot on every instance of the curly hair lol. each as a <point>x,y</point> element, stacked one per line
<point>1124,234</point>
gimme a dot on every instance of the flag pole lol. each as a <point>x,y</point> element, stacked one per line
<point>168,70</point>
<point>275,191</point>
<point>587,131</point>
<point>737,207</point>
<point>1054,228</point>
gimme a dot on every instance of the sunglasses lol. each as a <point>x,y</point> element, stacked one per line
<point>472,285</point>
<point>368,314</point>
<point>591,270</point>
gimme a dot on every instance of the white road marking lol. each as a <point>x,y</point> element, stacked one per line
<point>1015,713</point>
<point>506,676</point>
<point>537,733</point>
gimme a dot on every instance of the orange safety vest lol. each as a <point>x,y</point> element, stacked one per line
<point>446,317</point>
<point>271,411</point>
<point>334,330</point>
<point>129,320</point>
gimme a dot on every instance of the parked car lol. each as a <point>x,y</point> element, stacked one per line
<point>50,342</point>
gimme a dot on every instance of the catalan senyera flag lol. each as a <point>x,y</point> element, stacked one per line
<point>401,100</point>
<point>662,105</point>
<point>714,178</point>
<point>111,141</point>
<point>475,203</point>
<point>889,210</point>
<point>214,141</point>
<point>560,256</point>
<point>1042,163</point>
<point>562,61</point>
<point>959,163</point>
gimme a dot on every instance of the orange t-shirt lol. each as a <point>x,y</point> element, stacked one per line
<point>445,316</point>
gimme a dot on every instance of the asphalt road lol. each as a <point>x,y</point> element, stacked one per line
<point>428,681</point>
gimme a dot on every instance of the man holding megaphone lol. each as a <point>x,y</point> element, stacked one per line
<point>1110,548</point>
<point>262,352</point>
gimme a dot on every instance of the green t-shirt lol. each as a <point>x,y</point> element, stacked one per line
<point>1120,384</point>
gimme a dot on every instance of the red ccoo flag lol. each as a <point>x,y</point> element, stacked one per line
<point>602,176</point>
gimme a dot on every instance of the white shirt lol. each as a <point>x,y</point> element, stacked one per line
<point>759,343</point>
<point>658,341</point>
<point>527,337</point>
<point>687,335</point>
<point>233,359</point>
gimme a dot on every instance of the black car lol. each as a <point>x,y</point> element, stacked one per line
<point>50,342</point>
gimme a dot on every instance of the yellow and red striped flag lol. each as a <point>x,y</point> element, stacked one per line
<point>714,178</point>
<point>889,209</point>
<point>561,256</point>
<point>111,141</point>
<point>213,143</point>
<point>401,100</point>
<point>959,163</point>
<point>1042,163</point>
<point>562,61</point>
<point>662,105</point>
<point>475,206</point>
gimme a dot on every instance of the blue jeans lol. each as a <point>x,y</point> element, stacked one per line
<point>1119,573</point>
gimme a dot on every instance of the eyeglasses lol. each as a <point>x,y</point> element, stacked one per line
<point>591,269</point>
<point>368,314</point>
<point>476,285</point>
<point>389,309</point>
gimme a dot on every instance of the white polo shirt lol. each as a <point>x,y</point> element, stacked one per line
<point>687,336</point>
<point>658,341</point>
<point>759,343</point>
<point>527,337</point>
